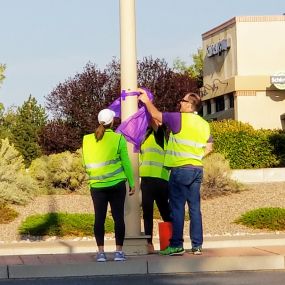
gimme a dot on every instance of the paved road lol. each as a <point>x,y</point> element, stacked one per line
<point>219,278</point>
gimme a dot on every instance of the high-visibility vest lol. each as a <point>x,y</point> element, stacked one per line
<point>188,146</point>
<point>152,159</point>
<point>101,159</point>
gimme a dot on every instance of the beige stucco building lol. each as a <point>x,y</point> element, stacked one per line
<point>244,71</point>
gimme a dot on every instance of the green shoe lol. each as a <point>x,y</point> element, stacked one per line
<point>172,251</point>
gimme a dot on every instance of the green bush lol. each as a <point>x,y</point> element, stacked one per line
<point>39,171</point>
<point>243,146</point>
<point>59,171</point>
<point>16,185</point>
<point>264,218</point>
<point>217,177</point>
<point>277,139</point>
<point>62,224</point>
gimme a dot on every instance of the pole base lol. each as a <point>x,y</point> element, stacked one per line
<point>136,245</point>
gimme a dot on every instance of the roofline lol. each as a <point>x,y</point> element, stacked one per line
<point>237,19</point>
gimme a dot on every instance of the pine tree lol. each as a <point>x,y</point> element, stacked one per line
<point>30,119</point>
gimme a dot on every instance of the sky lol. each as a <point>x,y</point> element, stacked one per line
<point>45,42</point>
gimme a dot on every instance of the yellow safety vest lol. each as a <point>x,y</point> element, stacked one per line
<point>101,159</point>
<point>152,159</point>
<point>188,146</point>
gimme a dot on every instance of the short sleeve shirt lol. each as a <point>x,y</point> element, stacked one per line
<point>173,121</point>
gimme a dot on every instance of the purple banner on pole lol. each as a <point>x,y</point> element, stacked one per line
<point>135,126</point>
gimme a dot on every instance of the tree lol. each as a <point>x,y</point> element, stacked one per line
<point>194,70</point>
<point>16,185</point>
<point>30,119</point>
<point>2,70</point>
<point>7,122</point>
<point>75,103</point>
<point>167,86</point>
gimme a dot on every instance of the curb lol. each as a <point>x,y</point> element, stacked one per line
<point>139,266</point>
<point>89,246</point>
<point>63,258</point>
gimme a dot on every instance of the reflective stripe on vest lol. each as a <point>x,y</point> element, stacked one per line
<point>184,154</point>
<point>152,163</point>
<point>101,177</point>
<point>152,149</point>
<point>97,165</point>
<point>187,142</point>
<point>152,159</point>
<point>101,159</point>
<point>188,146</point>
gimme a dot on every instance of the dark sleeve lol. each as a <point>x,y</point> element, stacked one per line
<point>160,135</point>
<point>172,120</point>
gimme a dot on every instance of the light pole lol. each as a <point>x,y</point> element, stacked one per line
<point>129,106</point>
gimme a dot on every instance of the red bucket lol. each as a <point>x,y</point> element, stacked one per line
<point>165,234</point>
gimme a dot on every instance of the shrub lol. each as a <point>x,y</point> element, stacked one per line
<point>217,180</point>
<point>39,171</point>
<point>243,146</point>
<point>16,185</point>
<point>62,224</point>
<point>7,214</point>
<point>264,218</point>
<point>277,140</point>
<point>59,171</point>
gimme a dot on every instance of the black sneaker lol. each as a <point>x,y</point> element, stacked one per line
<point>196,250</point>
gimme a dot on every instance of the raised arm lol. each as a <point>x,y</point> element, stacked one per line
<point>154,112</point>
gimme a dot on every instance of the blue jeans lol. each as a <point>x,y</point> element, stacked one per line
<point>184,186</point>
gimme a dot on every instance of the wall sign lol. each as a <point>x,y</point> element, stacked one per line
<point>278,80</point>
<point>218,48</point>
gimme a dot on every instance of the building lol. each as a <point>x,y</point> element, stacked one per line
<point>244,71</point>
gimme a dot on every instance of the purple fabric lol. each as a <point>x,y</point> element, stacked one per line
<point>124,94</point>
<point>116,107</point>
<point>172,120</point>
<point>134,127</point>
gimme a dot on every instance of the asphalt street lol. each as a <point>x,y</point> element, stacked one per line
<point>218,278</point>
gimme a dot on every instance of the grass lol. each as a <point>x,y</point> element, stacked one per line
<point>7,214</point>
<point>65,224</point>
<point>62,224</point>
<point>264,218</point>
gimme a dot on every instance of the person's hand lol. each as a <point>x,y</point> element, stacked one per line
<point>143,97</point>
<point>132,191</point>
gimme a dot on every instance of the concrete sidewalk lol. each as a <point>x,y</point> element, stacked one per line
<point>62,258</point>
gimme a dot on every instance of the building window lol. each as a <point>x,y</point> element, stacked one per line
<point>208,107</point>
<point>231,100</point>
<point>220,104</point>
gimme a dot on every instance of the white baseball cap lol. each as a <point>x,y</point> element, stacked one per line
<point>106,116</point>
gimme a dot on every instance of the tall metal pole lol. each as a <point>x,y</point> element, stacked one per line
<point>129,106</point>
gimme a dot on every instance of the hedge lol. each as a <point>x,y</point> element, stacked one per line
<point>246,147</point>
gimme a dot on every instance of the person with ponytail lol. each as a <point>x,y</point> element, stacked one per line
<point>106,160</point>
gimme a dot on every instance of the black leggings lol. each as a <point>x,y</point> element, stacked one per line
<point>154,189</point>
<point>115,195</point>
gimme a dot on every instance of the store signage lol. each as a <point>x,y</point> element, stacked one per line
<point>278,80</point>
<point>218,48</point>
